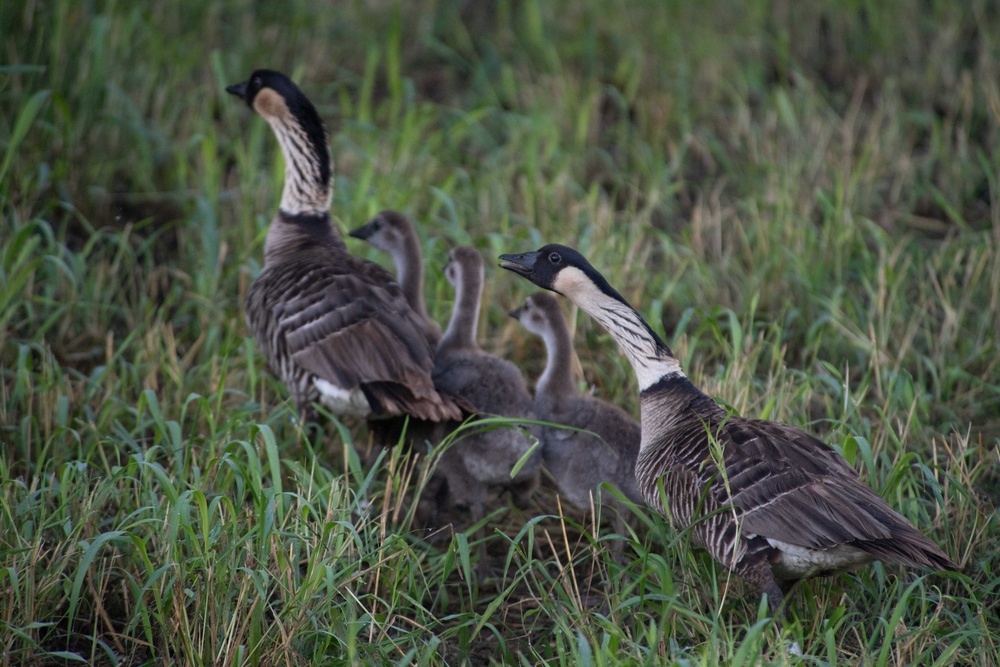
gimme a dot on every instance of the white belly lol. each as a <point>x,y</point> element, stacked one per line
<point>797,562</point>
<point>342,401</point>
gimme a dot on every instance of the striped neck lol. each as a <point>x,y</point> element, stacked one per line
<point>308,168</point>
<point>649,356</point>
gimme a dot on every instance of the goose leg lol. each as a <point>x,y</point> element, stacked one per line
<point>759,575</point>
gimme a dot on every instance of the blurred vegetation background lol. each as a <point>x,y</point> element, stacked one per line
<point>803,195</point>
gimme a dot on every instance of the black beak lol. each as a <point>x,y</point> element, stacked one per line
<point>516,313</point>
<point>523,264</point>
<point>362,232</point>
<point>238,89</point>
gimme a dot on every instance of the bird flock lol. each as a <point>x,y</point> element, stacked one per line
<point>768,501</point>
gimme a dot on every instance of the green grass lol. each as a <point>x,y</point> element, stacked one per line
<point>804,198</point>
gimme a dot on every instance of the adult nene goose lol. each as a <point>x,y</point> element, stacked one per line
<point>784,506</point>
<point>393,232</point>
<point>578,461</point>
<point>336,329</point>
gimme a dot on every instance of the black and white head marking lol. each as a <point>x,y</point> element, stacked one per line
<point>565,271</point>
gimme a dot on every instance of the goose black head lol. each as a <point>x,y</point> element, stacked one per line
<point>282,103</point>
<point>268,80</point>
<point>558,268</point>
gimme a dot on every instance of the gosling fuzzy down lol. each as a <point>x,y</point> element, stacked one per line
<point>478,465</point>
<point>603,440</point>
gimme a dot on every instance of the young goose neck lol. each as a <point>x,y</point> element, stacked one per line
<point>467,277</point>
<point>556,381</point>
<point>409,260</point>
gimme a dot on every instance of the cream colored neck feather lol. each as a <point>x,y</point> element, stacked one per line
<point>649,360</point>
<point>306,191</point>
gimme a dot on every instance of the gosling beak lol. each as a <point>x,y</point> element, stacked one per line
<point>523,264</point>
<point>362,232</point>
<point>516,313</point>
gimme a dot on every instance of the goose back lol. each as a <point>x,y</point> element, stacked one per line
<point>791,498</point>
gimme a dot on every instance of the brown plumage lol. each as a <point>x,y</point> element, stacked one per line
<point>767,500</point>
<point>394,233</point>
<point>336,329</point>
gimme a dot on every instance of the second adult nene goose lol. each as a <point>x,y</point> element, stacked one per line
<point>336,329</point>
<point>784,506</point>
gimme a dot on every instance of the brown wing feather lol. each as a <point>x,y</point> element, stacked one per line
<point>783,483</point>
<point>794,488</point>
<point>349,320</point>
<point>346,321</point>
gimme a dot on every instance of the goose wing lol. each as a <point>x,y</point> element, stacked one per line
<point>351,325</point>
<point>792,487</point>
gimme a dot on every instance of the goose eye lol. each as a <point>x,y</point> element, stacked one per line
<point>256,82</point>
<point>555,258</point>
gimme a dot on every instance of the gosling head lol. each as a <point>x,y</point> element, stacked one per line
<point>386,231</point>
<point>463,261</point>
<point>537,313</point>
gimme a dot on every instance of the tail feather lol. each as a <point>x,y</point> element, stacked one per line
<point>390,399</point>
<point>908,546</point>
